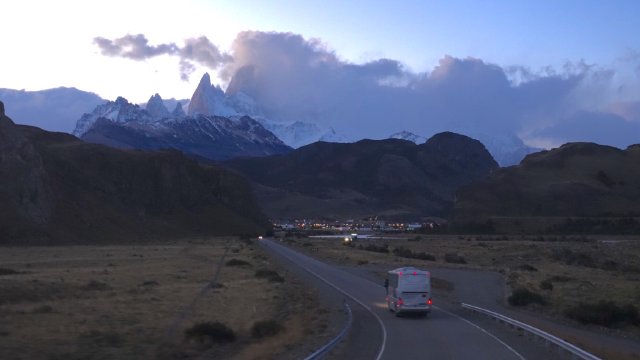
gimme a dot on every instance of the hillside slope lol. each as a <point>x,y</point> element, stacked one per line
<point>393,178</point>
<point>55,189</point>
<point>574,180</point>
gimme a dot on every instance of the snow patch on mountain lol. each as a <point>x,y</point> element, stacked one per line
<point>407,135</point>
<point>119,111</point>
<point>211,100</point>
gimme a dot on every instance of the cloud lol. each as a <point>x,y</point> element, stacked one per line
<point>597,127</point>
<point>297,79</point>
<point>195,50</point>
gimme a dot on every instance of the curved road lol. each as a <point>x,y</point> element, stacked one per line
<point>447,333</point>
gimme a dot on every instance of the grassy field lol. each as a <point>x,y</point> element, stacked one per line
<point>570,275</point>
<point>154,301</point>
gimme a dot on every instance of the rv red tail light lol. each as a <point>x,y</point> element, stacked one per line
<point>429,302</point>
<point>400,302</point>
<point>415,273</point>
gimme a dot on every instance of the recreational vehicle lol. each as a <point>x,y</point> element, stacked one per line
<point>409,291</point>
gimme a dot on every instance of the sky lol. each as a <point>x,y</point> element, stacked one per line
<point>545,61</point>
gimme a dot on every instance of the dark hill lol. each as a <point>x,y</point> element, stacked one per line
<point>371,177</point>
<point>582,180</point>
<point>56,189</point>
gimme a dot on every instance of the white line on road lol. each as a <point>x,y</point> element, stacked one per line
<point>483,330</point>
<point>384,330</point>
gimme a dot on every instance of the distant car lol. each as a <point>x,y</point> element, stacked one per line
<point>409,291</point>
<point>259,237</point>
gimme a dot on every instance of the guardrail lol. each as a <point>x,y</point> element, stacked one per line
<point>318,354</point>
<point>574,350</point>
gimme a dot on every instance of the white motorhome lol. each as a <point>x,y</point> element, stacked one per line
<point>409,291</point>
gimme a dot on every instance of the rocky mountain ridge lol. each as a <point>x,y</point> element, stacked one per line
<point>394,178</point>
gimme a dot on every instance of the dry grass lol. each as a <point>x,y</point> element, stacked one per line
<point>126,302</point>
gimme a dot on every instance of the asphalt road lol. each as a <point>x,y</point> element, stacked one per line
<point>447,333</point>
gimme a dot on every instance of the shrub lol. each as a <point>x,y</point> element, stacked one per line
<point>454,258</point>
<point>527,267</point>
<point>524,297</point>
<point>407,253</point>
<point>236,262</point>
<point>605,313</point>
<point>570,257</point>
<point>270,275</point>
<point>546,285</point>
<point>215,332</point>
<point>44,309</point>
<point>5,271</point>
<point>375,248</point>
<point>560,278</point>
<point>96,285</point>
<point>265,328</point>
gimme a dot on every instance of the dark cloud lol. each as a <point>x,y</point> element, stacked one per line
<point>195,50</point>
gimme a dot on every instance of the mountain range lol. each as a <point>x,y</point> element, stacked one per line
<point>207,101</point>
<point>393,178</point>
<point>55,188</point>
<point>124,125</point>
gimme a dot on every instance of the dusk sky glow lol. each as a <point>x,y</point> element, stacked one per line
<point>51,43</point>
<point>541,70</point>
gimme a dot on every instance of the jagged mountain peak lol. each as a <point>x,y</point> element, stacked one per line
<point>120,111</point>
<point>178,112</point>
<point>209,100</point>
<point>155,107</point>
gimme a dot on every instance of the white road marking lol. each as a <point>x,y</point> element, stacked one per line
<point>483,330</point>
<point>384,330</point>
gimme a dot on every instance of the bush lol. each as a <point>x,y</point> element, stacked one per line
<point>454,258</point>
<point>527,267</point>
<point>236,262</point>
<point>560,278</point>
<point>570,257</point>
<point>215,332</point>
<point>546,285</point>
<point>270,275</point>
<point>406,253</point>
<point>44,309</point>
<point>265,328</point>
<point>524,297</point>
<point>97,286</point>
<point>605,313</point>
<point>375,248</point>
<point>5,271</point>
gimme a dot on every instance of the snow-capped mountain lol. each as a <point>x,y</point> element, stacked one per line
<point>211,100</point>
<point>125,125</point>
